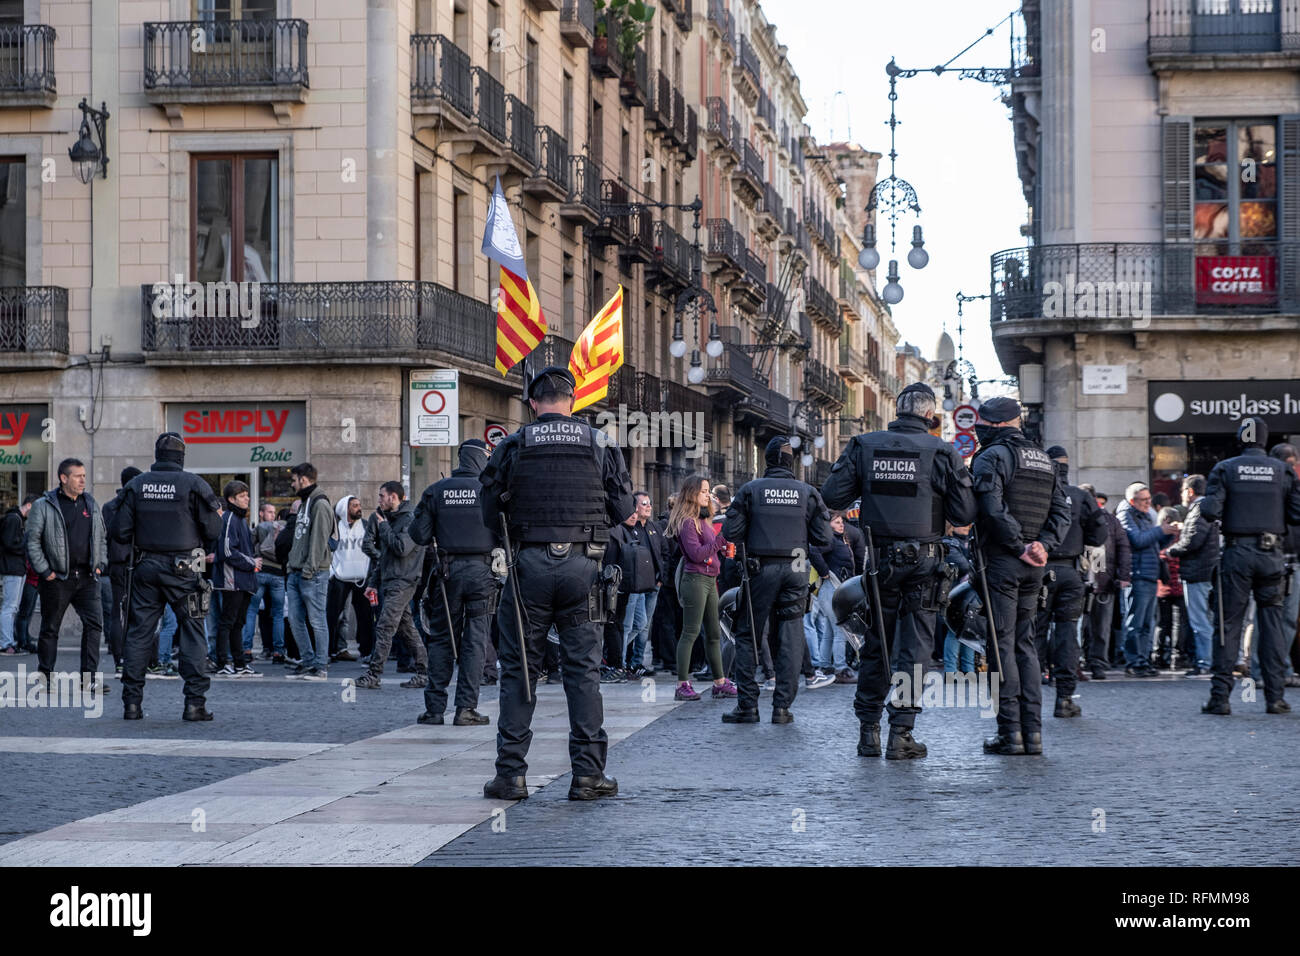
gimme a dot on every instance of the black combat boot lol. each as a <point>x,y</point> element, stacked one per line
<point>1278,707</point>
<point>741,715</point>
<point>506,788</point>
<point>902,746</point>
<point>469,717</point>
<point>1217,707</point>
<point>428,718</point>
<point>1008,744</point>
<point>869,740</point>
<point>196,712</point>
<point>1066,708</point>
<point>782,715</point>
<point>593,788</point>
<point>1033,743</point>
<point>132,712</point>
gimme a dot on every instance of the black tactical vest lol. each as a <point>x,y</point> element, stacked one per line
<point>164,517</point>
<point>1254,503</point>
<point>1071,545</point>
<point>1028,495</point>
<point>778,523</point>
<point>898,499</point>
<point>557,490</point>
<point>458,522</point>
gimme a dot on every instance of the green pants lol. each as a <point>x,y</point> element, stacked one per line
<point>699,597</point>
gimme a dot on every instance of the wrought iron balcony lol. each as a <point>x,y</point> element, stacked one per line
<point>726,250</point>
<point>606,60</point>
<point>770,212</point>
<point>670,269</point>
<point>611,229</point>
<point>748,177</point>
<point>489,103</point>
<point>765,113</point>
<point>634,85</point>
<point>718,128</point>
<point>578,22</point>
<point>851,365</point>
<point>750,290</point>
<point>747,77</point>
<point>27,65</point>
<point>690,146</point>
<point>796,155</point>
<point>552,350</point>
<point>363,321</point>
<point>583,202</point>
<point>678,133</point>
<point>640,244</point>
<point>33,320</point>
<point>238,61</point>
<point>822,385</point>
<point>734,369</point>
<point>1223,27</point>
<point>523,133</point>
<point>550,181</point>
<point>440,78</point>
<point>684,16</point>
<point>660,112</point>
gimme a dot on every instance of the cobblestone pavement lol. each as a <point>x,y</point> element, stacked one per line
<point>1175,787</point>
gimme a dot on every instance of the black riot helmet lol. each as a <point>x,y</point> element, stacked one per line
<point>851,605</point>
<point>169,447</point>
<point>965,615</point>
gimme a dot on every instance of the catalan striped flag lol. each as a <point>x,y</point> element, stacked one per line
<point>520,323</point>
<point>598,353</point>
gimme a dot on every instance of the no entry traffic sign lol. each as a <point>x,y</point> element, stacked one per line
<point>963,417</point>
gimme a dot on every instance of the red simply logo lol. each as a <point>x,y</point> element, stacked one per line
<point>12,428</point>
<point>234,426</point>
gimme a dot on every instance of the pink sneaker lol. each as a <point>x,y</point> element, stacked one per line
<point>725,689</point>
<point>685,692</point>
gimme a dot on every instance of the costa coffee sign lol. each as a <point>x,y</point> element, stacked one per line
<point>20,437</point>
<point>234,435</point>
<point>1236,280</point>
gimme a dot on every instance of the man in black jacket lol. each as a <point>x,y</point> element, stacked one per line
<point>395,567</point>
<point>119,562</point>
<point>1197,551</point>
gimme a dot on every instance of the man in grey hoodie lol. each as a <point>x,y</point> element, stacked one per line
<point>395,569</point>
<point>307,571</point>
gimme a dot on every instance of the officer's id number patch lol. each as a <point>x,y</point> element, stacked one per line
<point>895,473</point>
<point>556,433</point>
<point>782,496</point>
<point>158,491</point>
<point>1035,459</point>
<point>451,497</point>
<point>1255,473</point>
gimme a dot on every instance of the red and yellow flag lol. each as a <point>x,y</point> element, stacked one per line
<point>598,353</point>
<point>520,323</point>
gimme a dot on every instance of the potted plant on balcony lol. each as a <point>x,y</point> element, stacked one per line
<point>623,22</point>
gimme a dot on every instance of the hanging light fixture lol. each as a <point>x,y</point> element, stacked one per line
<point>869,257</point>
<point>892,292</point>
<point>819,441</point>
<point>795,442</point>
<point>807,460</point>
<point>677,348</point>
<point>714,347</point>
<point>695,374</point>
<point>918,258</point>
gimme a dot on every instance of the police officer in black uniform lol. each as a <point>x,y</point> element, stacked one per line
<point>909,482</point>
<point>1255,497</point>
<point>449,516</point>
<point>173,520</point>
<point>774,520</point>
<point>561,485</point>
<point>1065,587</point>
<point>1022,518</point>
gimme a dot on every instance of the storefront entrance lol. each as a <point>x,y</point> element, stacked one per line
<point>24,457</point>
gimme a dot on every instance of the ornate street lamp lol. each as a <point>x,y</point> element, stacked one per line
<point>89,157</point>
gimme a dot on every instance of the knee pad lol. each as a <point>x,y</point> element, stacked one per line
<point>789,610</point>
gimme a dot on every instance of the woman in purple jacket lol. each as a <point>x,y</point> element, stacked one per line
<point>690,523</point>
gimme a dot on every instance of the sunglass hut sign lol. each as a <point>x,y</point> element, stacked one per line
<point>223,434</point>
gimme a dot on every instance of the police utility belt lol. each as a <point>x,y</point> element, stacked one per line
<point>1267,541</point>
<point>197,603</point>
<point>562,549</point>
<point>903,554</point>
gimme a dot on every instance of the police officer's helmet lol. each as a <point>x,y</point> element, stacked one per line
<point>170,446</point>
<point>728,602</point>
<point>965,615</point>
<point>851,605</point>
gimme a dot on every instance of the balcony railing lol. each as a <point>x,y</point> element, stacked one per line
<point>634,85</point>
<point>756,269</point>
<point>346,319</point>
<point>606,60</point>
<point>690,145</point>
<point>766,111</point>
<point>33,319</point>
<point>734,368</point>
<point>553,156</point>
<point>679,118</point>
<point>27,64</point>
<point>1097,282</point>
<point>265,54</point>
<point>684,15</point>
<point>726,244</point>
<point>640,243</point>
<point>578,22</point>
<point>672,263</point>
<point>661,104</point>
<point>441,70</point>
<point>1222,26</point>
<point>749,61</point>
<point>489,103</point>
<point>584,182</point>
<point>523,130</point>
<point>796,154</point>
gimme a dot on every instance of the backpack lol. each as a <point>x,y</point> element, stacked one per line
<point>334,533</point>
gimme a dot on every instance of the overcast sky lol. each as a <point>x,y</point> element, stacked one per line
<point>954,141</point>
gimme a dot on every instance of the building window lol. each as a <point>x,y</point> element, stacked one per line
<point>210,10</point>
<point>531,67</point>
<point>234,195</point>
<point>569,326</point>
<point>13,221</point>
<point>495,40</point>
<point>566,110</point>
<point>1235,185</point>
<point>11,13</point>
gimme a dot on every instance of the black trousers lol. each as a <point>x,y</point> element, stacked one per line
<point>337,597</point>
<point>553,590</point>
<point>1246,569</point>
<point>23,620</point>
<point>80,590</point>
<point>115,626</point>
<point>230,627</point>
<point>909,636</point>
<point>158,583</point>
<point>613,634</point>
<point>780,595</point>
<point>470,588</point>
<point>1060,649</point>
<point>1098,625</point>
<point>1014,587</point>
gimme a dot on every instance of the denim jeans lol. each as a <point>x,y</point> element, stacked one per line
<point>1139,623</point>
<point>212,622</point>
<point>957,657</point>
<point>306,600</point>
<point>270,589</point>
<point>1289,609</point>
<point>167,631</point>
<point>1202,619</point>
<point>13,595</point>
<point>832,649</point>
<point>636,626</point>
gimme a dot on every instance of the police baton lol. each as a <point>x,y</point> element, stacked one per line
<point>875,601</point>
<point>749,598</point>
<point>436,572</point>
<point>978,554</point>
<point>519,615</point>
<point>1218,587</point>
